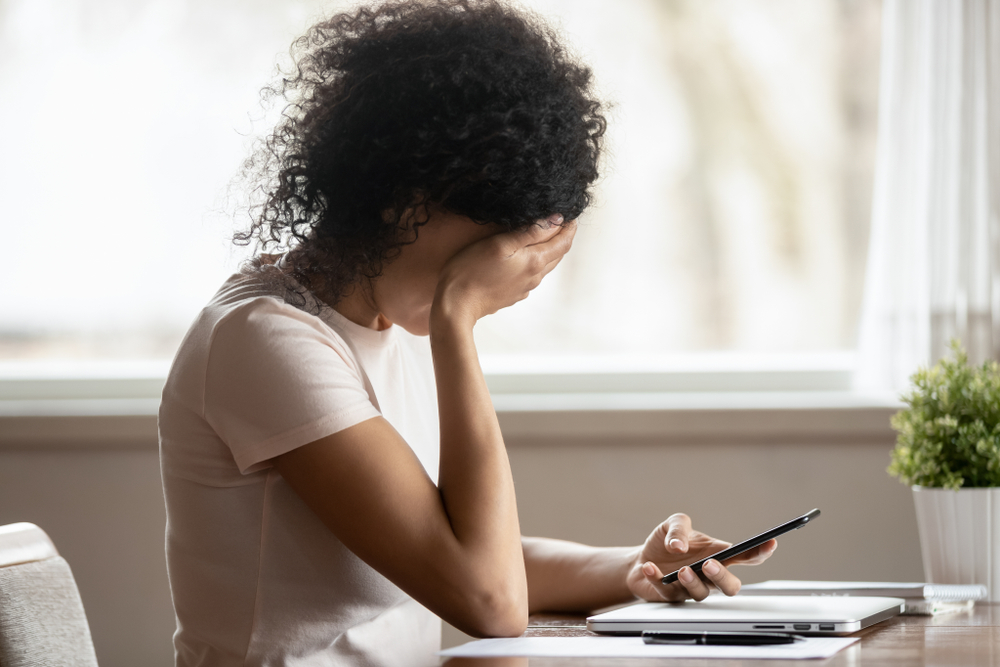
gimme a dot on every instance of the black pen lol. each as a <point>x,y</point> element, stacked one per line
<point>718,638</point>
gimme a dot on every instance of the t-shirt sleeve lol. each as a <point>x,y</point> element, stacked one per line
<point>278,378</point>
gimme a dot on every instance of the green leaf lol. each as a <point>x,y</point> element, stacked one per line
<point>949,434</point>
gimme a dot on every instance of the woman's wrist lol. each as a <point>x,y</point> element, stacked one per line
<point>449,311</point>
<point>633,556</point>
<point>621,562</point>
<point>633,561</point>
<point>566,576</point>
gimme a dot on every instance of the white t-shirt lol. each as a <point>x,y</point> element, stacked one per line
<point>256,577</point>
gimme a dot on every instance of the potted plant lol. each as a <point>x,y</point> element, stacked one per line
<point>948,450</point>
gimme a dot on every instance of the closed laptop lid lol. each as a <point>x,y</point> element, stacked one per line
<point>799,614</point>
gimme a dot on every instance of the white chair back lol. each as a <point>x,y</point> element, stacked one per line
<point>42,621</point>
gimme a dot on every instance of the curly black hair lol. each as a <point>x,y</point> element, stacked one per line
<point>470,105</point>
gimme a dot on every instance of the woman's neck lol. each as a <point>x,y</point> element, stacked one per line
<point>360,309</point>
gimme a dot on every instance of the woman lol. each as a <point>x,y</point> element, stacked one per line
<point>334,473</point>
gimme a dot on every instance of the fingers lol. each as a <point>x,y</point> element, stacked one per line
<point>554,247</point>
<point>540,231</point>
<point>502,269</point>
<point>689,584</point>
<point>755,556</point>
<point>713,574</point>
<point>678,533</point>
<point>540,248</point>
<point>668,592</point>
<point>697,588</point>
<point>721,577</point>
<point>550,237</point>
<point>548,265</point>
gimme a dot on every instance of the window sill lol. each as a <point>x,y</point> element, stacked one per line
<point>672,417</point>
<point>665,417</point>
<point>705,396</point>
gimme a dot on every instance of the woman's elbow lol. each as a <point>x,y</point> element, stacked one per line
<point>499,615</point>
<point>500,625</point>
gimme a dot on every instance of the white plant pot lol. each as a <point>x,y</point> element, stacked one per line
<point>960,536</point>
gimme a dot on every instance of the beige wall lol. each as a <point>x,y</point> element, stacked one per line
<point>103,507</point>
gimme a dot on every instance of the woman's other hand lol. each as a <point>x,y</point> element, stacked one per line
<point>674,544</point>
<point>501,270</point>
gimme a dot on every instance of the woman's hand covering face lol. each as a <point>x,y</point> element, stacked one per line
<point>674,544</point>
<point>501,270</point>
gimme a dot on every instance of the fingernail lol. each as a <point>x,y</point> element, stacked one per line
<point>676,544</point>
<point>648,569</point>
<point>686,575</point>
<point>554,219</point>
<point>711,567</point>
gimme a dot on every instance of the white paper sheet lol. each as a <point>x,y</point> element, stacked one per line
<point>633,647</point>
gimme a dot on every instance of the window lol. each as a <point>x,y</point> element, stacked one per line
<point>734,212</point>
<point>732,215</point>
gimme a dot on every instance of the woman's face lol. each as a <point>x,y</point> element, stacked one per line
<point>403,294</point>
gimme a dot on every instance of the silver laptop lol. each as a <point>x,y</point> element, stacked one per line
<point>807,615</point>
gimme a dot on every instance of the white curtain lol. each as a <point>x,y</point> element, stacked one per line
<point>934,257</point>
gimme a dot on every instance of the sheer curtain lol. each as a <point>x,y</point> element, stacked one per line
<point>934,258</point>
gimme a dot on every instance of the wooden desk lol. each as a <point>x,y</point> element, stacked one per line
<point>966,638</point>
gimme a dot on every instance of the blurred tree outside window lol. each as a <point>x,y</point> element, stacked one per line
<point>732,214</point>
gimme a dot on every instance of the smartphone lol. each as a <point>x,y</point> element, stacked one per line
<point>747,545</point>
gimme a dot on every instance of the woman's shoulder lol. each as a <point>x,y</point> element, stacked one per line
<point>253,317</point>
<point>258,281</point>
<point>263,294</point>
<point>265,316</point>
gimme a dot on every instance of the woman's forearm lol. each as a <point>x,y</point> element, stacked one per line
<point>565,576</point>
<point>475,481</point>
